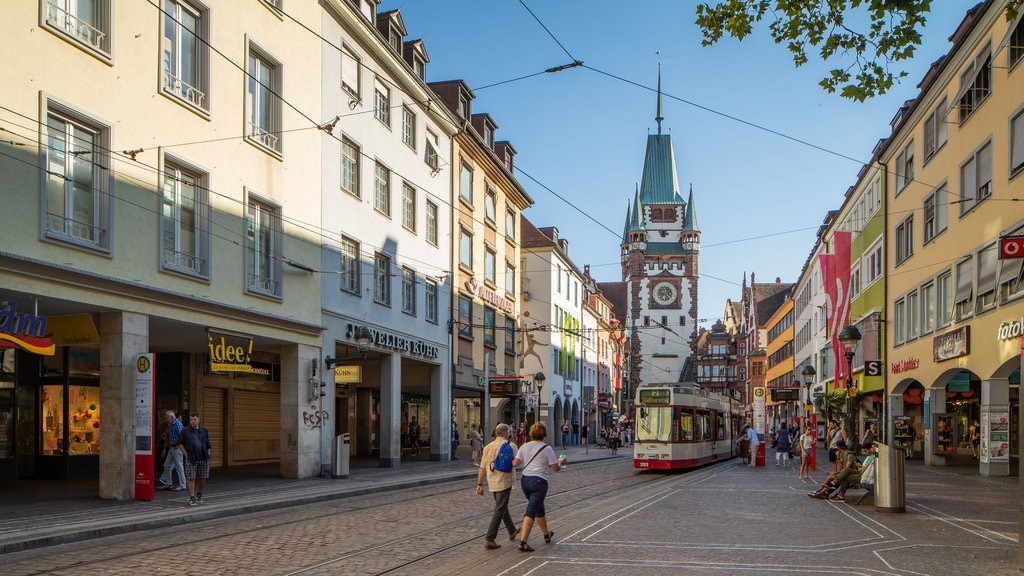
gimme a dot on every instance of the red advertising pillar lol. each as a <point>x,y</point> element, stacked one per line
<point>759,459</point>
<point>145,426</point>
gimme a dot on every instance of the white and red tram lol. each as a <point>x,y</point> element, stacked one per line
<point>683,426</point>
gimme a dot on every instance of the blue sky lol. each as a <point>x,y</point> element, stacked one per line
<point>581,133</point>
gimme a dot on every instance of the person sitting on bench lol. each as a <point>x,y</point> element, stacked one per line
<point>850,465</point>
<point>864,477</point>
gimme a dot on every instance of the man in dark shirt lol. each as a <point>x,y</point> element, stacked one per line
<point>195,443</point>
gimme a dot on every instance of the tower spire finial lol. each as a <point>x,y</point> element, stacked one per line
<point>659,118</point>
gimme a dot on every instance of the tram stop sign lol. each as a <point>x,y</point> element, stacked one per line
<point>1011,247</point>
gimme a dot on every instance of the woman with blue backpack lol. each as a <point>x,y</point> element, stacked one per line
<point>496,467</point>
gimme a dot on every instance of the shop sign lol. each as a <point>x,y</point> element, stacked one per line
<point>395,342</point>
<point>348,374</point>
<point>229,352</point>
<point>1011,329</point>
<point>952,344</point>
<point>904,365</point>
<point>490,296</point>
<point>22,330</point>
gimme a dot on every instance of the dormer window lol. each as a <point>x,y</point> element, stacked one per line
<point>395,39</point>
<point>419,67</point>
<point>489,137</point>
<point>463,107</point>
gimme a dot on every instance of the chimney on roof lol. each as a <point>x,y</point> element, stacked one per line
<point>778,280</point>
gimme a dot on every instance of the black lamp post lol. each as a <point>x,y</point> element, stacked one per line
<point>810,419</point>
<point>850,337</point>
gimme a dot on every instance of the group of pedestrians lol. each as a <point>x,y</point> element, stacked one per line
<point>849,472</point>
<point>538,461</point>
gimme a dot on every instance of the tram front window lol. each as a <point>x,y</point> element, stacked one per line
<point>656,424</point>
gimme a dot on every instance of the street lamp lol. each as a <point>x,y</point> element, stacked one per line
<point>539,379</point>
<point>363,337</point>
<point>809,373</point>
<point>850,337</point>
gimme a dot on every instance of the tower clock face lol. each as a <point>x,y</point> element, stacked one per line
<point>665,293</point>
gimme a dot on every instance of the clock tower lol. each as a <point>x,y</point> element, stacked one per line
<point>660,255</point>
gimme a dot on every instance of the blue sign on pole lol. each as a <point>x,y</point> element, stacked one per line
<point>927,413</point>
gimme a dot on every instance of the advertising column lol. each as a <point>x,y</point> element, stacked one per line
<point>759,423</point>
<point>145,399</point>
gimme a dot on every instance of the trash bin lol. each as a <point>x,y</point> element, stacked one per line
<point>890,482</point>
<point>341,456</point>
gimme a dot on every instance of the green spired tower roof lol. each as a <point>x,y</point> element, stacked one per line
<point>660,182</point>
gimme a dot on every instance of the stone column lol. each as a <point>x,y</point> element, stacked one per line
<point>123,335</point>
<point>390,411</point>
<point>301,413</point>
<point>440,414</point>
<point>995,399</point>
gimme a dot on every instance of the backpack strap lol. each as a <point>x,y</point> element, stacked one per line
<point>535,454</point>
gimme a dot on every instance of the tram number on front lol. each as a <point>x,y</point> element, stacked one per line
<point>655,397</point>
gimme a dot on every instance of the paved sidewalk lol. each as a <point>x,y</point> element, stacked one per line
<point>42,513</point>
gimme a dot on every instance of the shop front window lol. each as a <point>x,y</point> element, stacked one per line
<point>72,426</point>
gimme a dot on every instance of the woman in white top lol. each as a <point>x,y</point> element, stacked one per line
<point>806,445</point>
<point>540,461</point>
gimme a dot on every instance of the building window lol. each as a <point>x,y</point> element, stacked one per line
<point>490,262</point>
<point>913,315</point>
<point>408,127</point>
<point>928,308</point>
<point>465,317</point>
<point>463,109</point>
<point>489,324</point>
<point>490,205</point>
<point>855,280</point>
<point>964,302</point>
<point>510,335</point>
<point>430,156</point>
<point>86,23</point>
<point>510,280</point>
<point>510,225</point>
<point>988,263</point>
<point>901,321</point>
<point>78,204</point>
<point>409,208</point>
<point>944,299</point>
<point>263,244</point>
<point>349,265</point>
<point>351,71</point>
<point>382,102</point>
<point>905,167</point>
<point>466,183</point>
<point>382,189</point>
<point>1015,46</point>
<point>184,54</point>
<point>935,130</point>
<point>430,301</point>
<point>465,249</point>
<point>395,39</point>
<point>936,213</point>
<point>975,84</point>
<point>431,223</point>
<point>350,167</point>
<point>976,179</point>
<point>263,107</point>
<point>184,222</point>
<point>419,67</point>
<point>873,264</point>
<point>904,240</point>
<point>408,291</point>
<point>1017,139</point>
<point>382,279</point>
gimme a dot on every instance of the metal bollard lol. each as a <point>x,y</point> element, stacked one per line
<point>890,480</point>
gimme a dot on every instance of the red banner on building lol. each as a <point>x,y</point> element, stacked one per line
<point>835,275</point>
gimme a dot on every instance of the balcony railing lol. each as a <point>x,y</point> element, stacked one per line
<point>184,261</point>
<point>260,135</point>
<point>74,26</point>
<point>74,230</point>
<point>183,89</point>
<point>263,284</point>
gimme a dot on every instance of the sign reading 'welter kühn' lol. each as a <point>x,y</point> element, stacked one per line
<point>384,339</point>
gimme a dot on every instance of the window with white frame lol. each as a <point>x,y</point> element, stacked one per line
<point>988,264</point>
<point>351,71</point>
<point>936,213</point>
<point>904,239</point>
<point>873,264</point>
<point>490,259</point>
<point>510,225</point>
<point>263,245</point>
<point>900,310</point>
<point>349,265</point>
<point>913,315</point>
<point>85,22</point>
<point>1011,279</point>
<point>875,194</point>
<point>382,279</point>
<point>185,54</point>
<point>409,207</point>
<point>430,301</point>
<point>855,280</point>
<point>465,249</point>
<point>408,127</point>
<point>928,307</point>
<point>466,183</point>
<point>944,299</point>
<point>1017,139</point>
<point>490,322</point>
<point>936,131</point>
<point>975,84</point>
<point>976,179</point>
<point>350,167</point>
<point>419,67</point>
<point>963,303</point>
<point>263,107</point>
<point>184,222</point>
<point>510,279</point>
<point>408,291</point>
<point>382,189</point>
<point>431,222</point>
<point>490,205</point>
<point>430,156</point>
<point>1015,46</point>
<point>77,204</point>
<point>382,102</point>
<point>905,167</point>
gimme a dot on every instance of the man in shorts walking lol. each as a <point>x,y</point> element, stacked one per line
<point>195,441</point>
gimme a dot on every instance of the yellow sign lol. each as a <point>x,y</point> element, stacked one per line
<point>73,329</point>
<point>348,374</point>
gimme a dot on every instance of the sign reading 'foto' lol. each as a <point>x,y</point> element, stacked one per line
<point>1011,247</point>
